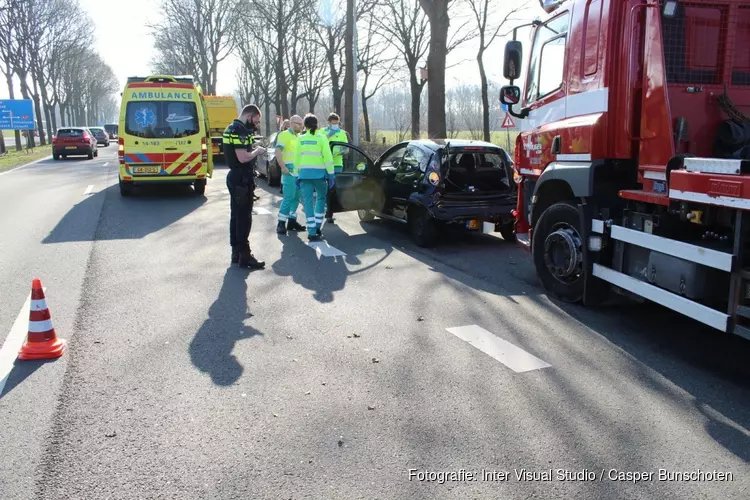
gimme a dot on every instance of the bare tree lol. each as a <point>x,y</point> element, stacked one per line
<point>197,32</point>
<point>488,32</point>
<point>316,75</point>
<point>407,27</point>
<point>8,51</point>
<point>375,65</point>
<point>259,66</point>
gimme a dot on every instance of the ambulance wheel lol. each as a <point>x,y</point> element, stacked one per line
<point>126,188</point>
<point>56,156</point>
<point>422,226</point>
<point>557,249</point>
<point>200,186</point>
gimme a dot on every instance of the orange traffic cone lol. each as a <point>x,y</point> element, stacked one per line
<point>42,342</point>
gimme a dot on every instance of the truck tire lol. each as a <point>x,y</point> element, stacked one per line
<point>508,231</point>
<point>199,186</point>
<point>126,188</point>
<point>423,227</point>
<point>557,249</point>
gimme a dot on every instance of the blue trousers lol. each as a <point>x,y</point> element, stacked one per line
<point>317,210</point>
<point>291,200</point>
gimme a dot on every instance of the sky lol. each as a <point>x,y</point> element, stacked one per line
<point>118,20</point>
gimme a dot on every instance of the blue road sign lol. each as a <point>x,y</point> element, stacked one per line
<point>16,114</point>
<point>504,106</point>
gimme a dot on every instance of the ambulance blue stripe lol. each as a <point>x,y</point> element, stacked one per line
<point>143,158</point>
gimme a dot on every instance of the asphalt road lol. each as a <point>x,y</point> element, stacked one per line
<point>333,377</point>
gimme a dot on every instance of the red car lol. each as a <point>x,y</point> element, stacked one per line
<point>70,141</point>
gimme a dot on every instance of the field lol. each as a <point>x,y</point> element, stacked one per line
<point>15,158</point>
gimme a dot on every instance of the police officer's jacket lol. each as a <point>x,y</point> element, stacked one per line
<point>237,136</point>
<point>312,157</point>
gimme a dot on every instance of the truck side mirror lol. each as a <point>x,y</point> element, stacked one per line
<point>512,62</point>
<point>510,95</point>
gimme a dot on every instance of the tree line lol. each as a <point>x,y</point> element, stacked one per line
<point>49,47</point>
<point>293,52</point>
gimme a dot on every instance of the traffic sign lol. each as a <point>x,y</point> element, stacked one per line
<point>508,122</point>
<point>504,107</point>
<point>16,114</point>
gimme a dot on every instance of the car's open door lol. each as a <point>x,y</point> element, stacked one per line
<point>359,185</point>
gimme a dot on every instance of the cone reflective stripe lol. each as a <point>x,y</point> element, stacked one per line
<point>42,341</point>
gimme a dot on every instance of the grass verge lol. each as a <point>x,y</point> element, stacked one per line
<point>13,158</point>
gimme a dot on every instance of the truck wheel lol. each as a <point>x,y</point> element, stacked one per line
<point>199,186</point>
<point>365,215</point>
<point>56,156</point>
<point>507,231</point>
<point>422,226</point>
<point>557,248</point>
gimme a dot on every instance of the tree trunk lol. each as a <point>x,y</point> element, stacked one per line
<point>30,139</point>
<point>12,95</point>
<point>280,77</point>
<point>416,98</point>
<point>47,106</point>
<point>485,98</point>
<point>268,116</point>
<point>38,111</point>
<point>437,12</point>
<point>349,89</point>
<point>366,116</point>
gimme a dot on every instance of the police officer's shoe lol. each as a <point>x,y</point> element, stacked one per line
<point>248,261</point>
<point>235,255</point>
<point>281,227</point>
<point>293,225</point>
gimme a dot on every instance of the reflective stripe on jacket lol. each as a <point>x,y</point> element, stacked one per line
<point>312,157</point>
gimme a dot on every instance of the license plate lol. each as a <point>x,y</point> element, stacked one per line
<point>71,147</point>
<point>145,170</point>
<point>472,224</point>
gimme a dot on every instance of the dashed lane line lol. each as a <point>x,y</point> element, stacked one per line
<point>88,190</point>
<point>508,354</point>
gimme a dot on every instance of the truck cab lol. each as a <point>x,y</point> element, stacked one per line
<point>633,165</point>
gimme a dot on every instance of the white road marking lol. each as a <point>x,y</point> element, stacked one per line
<point>88,190</point>
<point>508,354</point>
<point>106,163</point>
<point>322,248</point>
<point>13,342</point>
<point>261,211</point>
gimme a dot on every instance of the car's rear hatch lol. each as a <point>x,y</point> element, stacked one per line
<point>71,138</point>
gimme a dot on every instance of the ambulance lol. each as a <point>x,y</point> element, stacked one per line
<point>164,133</point>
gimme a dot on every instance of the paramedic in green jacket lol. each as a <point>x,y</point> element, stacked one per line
<point>286,143</point>
<point>334,133</point>
<point>315,175</point>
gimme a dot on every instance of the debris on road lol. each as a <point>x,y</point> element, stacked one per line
<point>375,360</point>
<point>370,407</point>
<point>111,434</point>
<point>421,318</point>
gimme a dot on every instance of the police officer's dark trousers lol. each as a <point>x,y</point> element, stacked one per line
<point>240,183</point>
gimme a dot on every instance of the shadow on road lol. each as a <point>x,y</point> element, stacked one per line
<point>21,371</point>
<point>211,348</point>
<point>707,364</point>
<point>149,210</point>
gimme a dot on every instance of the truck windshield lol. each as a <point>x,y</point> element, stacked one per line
<point>161,119</point>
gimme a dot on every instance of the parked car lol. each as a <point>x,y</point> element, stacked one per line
<point>70,141</point>
<point>102,137</point>
<point>266,166</point>
<point>429,185</point>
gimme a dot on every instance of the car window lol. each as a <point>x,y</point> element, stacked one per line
<point>355,162</point>
<point>414,158</point>
<point>393,160</point>
<point>69,132</point>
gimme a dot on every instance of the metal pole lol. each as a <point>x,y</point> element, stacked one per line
<point>355,96</point>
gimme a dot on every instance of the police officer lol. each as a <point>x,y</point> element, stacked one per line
<point>315,175</point>
<point>334,133</point>
<point>241,157</point>
<point>286,142</point>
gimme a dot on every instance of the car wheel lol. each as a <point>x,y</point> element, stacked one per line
<point>199,186</point>
<point>508,231</point>
<point>126,188</point>
<point>91,155</point>
<point>422,226</point>
<point>274,175</point>
<point>557,249</point>
<point>365,215</point>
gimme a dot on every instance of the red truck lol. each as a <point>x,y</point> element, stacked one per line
<point>634,167</point>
